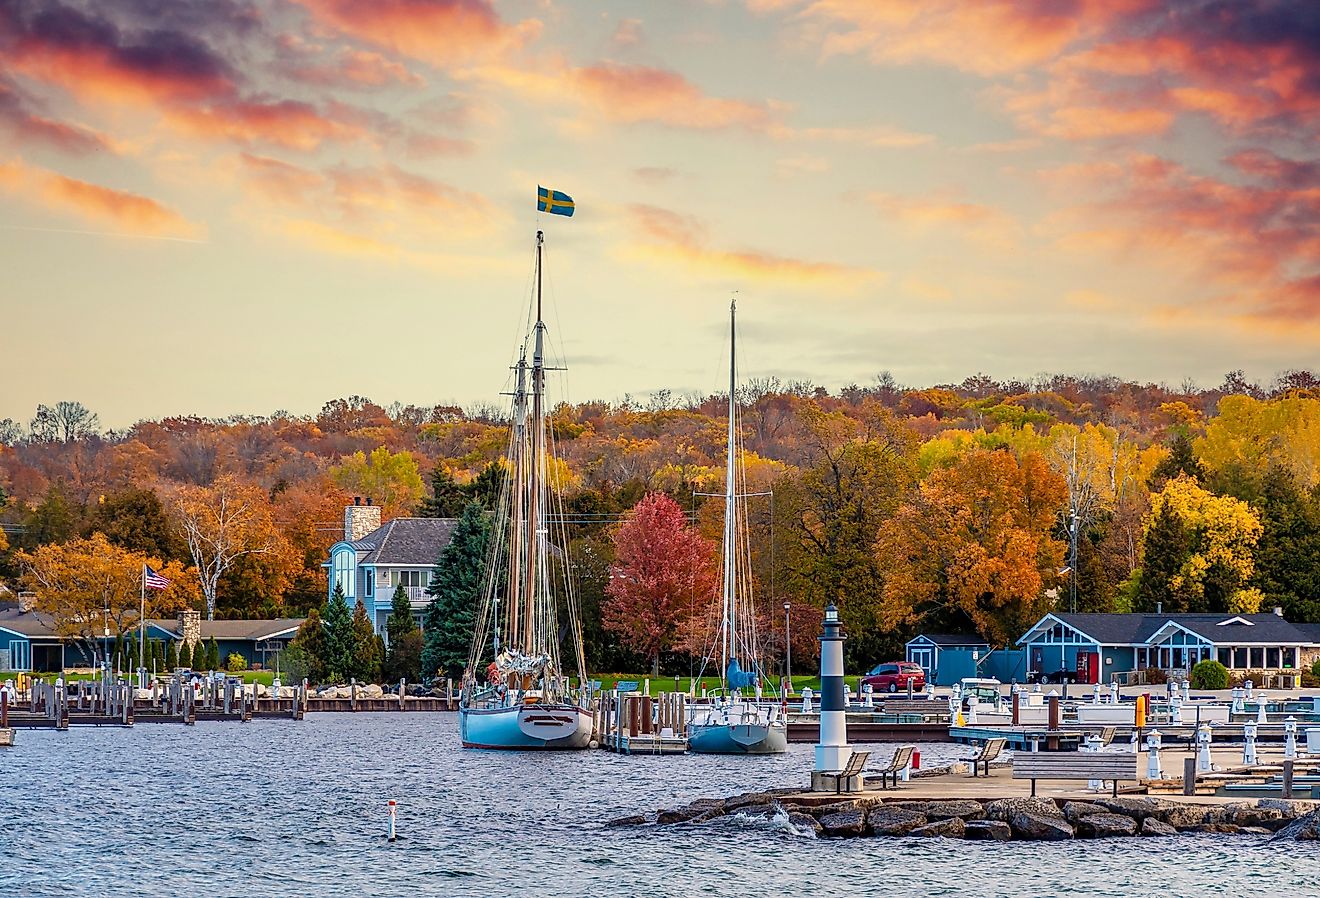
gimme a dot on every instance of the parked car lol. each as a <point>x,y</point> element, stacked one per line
<point>895,675</point>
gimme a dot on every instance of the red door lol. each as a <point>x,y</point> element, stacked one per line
<point>1088,667</point>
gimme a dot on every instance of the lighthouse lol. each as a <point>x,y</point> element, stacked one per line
<point>832,752</point>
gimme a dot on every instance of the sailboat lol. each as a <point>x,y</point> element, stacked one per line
<point>515,692</point>
<point>737,722</point>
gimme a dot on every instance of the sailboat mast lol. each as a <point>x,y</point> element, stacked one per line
<point>517,457</point>
<point>730,649</point>
<point>534,470</point>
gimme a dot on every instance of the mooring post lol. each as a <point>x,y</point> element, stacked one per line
<point>1288,778</point>
<point>4,709</point>
<point>1189,776</point>
<point>1017,706</point>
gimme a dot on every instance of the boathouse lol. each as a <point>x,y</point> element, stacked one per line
<point>948,657</point>
<point>374,558</point>
<point>1097,648</point>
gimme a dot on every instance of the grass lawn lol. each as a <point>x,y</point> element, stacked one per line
<point>664,683</point>
<point>264,677</point>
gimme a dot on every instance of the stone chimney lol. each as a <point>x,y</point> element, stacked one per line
<point>190,626</point>
<point>359,519</point>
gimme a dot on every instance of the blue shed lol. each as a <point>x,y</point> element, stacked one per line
<point>948,657</point>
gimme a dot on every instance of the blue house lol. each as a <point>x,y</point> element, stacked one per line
<point>948,657</point>
<point>1097,648</point>
<point>373,559</point>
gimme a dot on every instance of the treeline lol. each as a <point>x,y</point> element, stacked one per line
<point>967,507</point>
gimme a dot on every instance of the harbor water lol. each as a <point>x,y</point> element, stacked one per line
<point>277,808</point>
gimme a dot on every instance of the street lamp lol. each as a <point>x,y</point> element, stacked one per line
<point>788,651</point>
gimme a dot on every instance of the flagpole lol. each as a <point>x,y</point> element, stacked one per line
<point>142,629</point>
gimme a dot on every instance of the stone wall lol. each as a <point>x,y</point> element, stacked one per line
<point>190,626</point>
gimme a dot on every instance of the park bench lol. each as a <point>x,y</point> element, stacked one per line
<point>625,686</point>
<point>1082,765</point>
<point>889,773</point>
<point>842,777</point>
<point>989,752</point>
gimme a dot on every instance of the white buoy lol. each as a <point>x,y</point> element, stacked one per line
<point>1249,744</point>
<point>1290,739</point>
<point>394,809</point>
<point>1203,762</point>
<point>1153,770</point>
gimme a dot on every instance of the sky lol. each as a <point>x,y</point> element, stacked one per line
<point>215,207</point>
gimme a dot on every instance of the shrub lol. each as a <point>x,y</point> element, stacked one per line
<point>1209,674</point>
<point>235,662</point>
<point>1154,676</point>
<point>1315,668</point>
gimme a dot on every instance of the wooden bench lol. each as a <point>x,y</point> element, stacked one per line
<point>625,686</point>
<point>889,773</point>
<point>851,769</point>
<point>1082,765</point>
<point>992,749</point>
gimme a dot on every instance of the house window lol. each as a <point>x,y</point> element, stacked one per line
<point>343,574</point>
<point>1226,657</point>
<point>412,578</point>
<point>371,584</point>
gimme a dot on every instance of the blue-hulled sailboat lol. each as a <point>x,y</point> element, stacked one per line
<point>516,694</point>
<point>739,721</point>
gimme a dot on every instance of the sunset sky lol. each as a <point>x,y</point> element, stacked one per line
<point>214,207</point>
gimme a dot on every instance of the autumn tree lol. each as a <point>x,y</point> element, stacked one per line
<point>88,585</point>
<point>663,571</point>
<point>136,519</point>
<point>390,478</point>
<point>222,524</point>
<point>976,546</point>
<point>1198,552</point>
<point>64,422</point>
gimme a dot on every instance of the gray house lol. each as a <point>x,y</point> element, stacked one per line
<point>374,558</point>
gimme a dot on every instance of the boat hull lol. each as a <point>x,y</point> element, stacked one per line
<point>534,727</point>
<point>738,739</point>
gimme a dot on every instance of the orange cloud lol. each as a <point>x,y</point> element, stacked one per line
<point>985,224</point>
<point>130,213</point>
<point>440,32</point>
<point>287,123</point>
<point>671,235</point>
<point>356,68</point>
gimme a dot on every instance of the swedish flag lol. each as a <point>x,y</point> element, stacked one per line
<point>554,202</point>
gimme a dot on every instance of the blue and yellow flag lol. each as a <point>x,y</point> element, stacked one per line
<point>554,202</point>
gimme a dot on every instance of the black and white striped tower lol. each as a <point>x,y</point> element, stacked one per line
<point>832,752</point>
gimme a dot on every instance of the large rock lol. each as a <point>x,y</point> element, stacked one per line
<point>1138,807</point>
<point>1226,828</point>
<point>1106,826</point>
<point>632,820</point>
<point>1154,826</point>
<point>1303,829</point>
<point>805,823</point>
<point>371,690</point>
<point>949,828</point>
<point>943,810</point>
<point>1039,827</point>
<point>746,799</point>
<point>1189,816</point>
<point>1250,814</point>
<point>893,821</point>
<point>676,815</point>
<point>844,823</point>
<point>987,830</point>
<point>1290,808</point>
<point>1003,809</point>
<point>705,805</point>
<point>1076,810</point>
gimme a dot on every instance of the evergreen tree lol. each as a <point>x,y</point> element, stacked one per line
<point>366,656</point>
<point>185,656</point>
<point>447,497</point>
<point>1288,555</point>
<point>212,654</point>
<point>1180,461</point>
<point>455,590</point>
<point>1167,546</point>
<point>305,656</point>
<point>402,658</point>
<point>338,656</point>
<point>171,656</point>
<point>117,653</point>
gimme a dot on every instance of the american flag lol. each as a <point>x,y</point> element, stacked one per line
<point>155,580</point>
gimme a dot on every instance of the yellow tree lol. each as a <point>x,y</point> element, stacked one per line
<point>390,478</point>
<point>1197,553</point>
<point>223,523</point>
<point>1249,436</point>
<point>88,586</point>
<point>974,545</point>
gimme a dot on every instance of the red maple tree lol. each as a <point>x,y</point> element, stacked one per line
<point>663,572</point>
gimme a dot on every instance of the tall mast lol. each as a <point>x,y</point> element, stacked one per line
<point>534,548</point>
<point>517,459</point>
<point>730,649</point>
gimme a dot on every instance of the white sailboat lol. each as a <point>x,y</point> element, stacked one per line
<point>515,692</point>
<point>739,721</point>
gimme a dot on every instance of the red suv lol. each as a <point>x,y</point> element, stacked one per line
<point>895,675</point>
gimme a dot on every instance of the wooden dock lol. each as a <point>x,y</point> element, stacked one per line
<point>632,724</point>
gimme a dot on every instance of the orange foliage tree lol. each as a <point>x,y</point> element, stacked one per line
<point>663,576</point>
<point>975,544</point>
